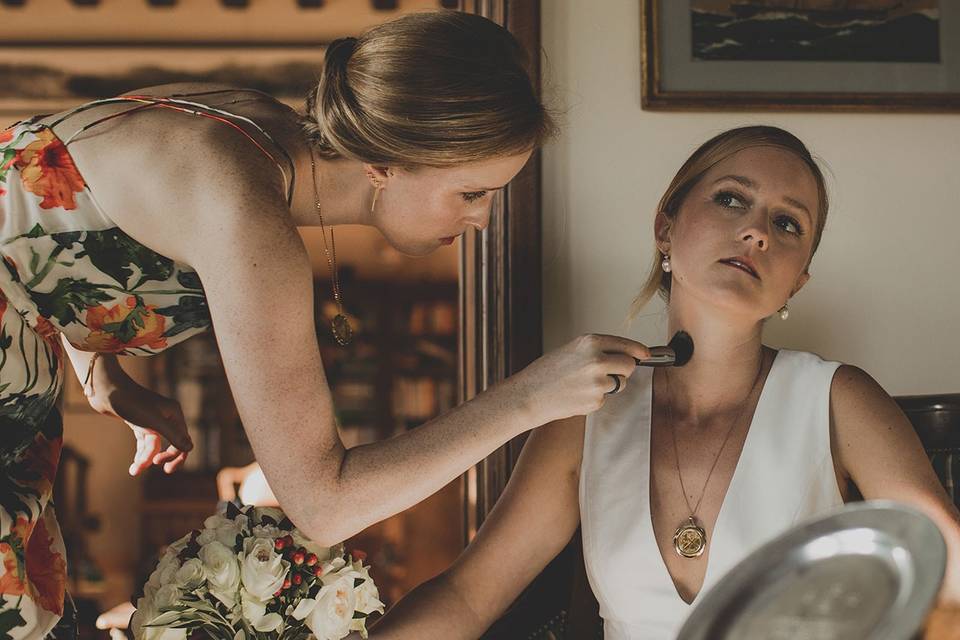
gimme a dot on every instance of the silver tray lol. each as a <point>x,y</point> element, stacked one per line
<point>870,571</point>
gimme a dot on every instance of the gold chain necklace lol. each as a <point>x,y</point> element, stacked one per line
<point>690,539</point>
<point>340,325</point>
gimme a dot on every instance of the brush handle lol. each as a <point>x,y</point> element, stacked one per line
<point>659,357</point>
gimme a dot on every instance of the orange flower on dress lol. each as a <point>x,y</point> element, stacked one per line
<point>50,335</point>
<point>104,324</point>
<point>11,583</point>
<point>46,569</point>
<point>47,170</point>
<point>6,135</point>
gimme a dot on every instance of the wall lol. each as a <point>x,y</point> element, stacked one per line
<point>884,293</point>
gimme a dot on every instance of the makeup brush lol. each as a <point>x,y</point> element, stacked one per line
<point>676,354</point>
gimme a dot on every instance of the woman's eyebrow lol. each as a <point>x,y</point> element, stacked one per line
<point>798,205</point>
<point>745,181</point>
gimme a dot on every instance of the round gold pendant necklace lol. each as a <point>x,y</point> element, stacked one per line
<point>340,325</point>
<point>690,539</point>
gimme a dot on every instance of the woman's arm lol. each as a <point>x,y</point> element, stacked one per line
<point>111,392</point>
<point>879,450</point>
<point>212,201</point>
<point>259,284</point>
<point>532,522</point>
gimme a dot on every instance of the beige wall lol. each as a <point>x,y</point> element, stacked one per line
<point>885,291</point>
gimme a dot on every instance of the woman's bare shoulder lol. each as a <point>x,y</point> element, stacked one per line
<point>166,178</point>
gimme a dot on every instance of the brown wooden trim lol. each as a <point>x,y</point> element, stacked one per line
<point>501,280</point>
<point>655,98</point>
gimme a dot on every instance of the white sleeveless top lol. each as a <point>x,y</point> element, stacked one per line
<point>785,474</point>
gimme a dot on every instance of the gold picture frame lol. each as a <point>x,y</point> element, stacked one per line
<point>669,74</point>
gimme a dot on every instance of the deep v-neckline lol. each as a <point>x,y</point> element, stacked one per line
<point>715,535</point>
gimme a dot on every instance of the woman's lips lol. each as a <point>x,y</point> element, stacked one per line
<point>742,266</point>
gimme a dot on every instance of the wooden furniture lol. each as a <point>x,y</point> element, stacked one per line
<point>936,419</point>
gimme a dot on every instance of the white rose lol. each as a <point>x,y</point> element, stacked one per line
<point>144,613</point>
<point>255,612</point>
<point>368,596</point>
<point>267,531</point>
<point>207,536</point>
<point>167,596</point>
<point>224,530</point>
<point>166,571</point>
<point>190,575</point>
<point>263,569</point>
<point>271,512</point>
<point>223,572</point>
<point>330,615</point>
<point>333,565</point>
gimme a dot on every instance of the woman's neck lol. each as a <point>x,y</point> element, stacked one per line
<point>343,189</point>
<point>727,356</point>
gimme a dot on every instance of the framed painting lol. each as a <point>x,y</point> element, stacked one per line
<point>59,53</point>
<point>828,55</point>
<point>48,79</point>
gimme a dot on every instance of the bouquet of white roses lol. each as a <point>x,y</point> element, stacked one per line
<point>249,574</point>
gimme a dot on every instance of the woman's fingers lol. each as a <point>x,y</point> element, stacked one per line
<point>619,344</point>
<point>157,413</point>
<point>175,464</point>
<point>148,445</point>
<point>619,364</point>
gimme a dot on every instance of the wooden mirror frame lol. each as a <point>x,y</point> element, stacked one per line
<point>501,320</point>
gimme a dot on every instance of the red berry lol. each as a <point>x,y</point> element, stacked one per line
<point>298,558</point>
<point>318,571</point>
<point>358,554</point>
<point>297,578</point>
<point>288,540</point>
<point>312,559</point>
<point>276,594</point>
<point>286,583</point>
<point>279,544</point>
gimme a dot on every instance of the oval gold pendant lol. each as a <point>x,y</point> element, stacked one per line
<point>342,331</point>
<point>690,539</point>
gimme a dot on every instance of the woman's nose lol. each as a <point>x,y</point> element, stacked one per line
<point>480,222</point>
<point>758,232</point>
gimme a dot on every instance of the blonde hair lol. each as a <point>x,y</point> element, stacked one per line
<point>713,151</point>
<point>427,89</point>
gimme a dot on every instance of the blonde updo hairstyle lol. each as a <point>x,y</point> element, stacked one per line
<point>427,89</point>
<point>716,150</point>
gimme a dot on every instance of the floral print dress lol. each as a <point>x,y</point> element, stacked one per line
<point>67,270</point>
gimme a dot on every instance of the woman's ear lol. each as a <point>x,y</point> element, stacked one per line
<point>379,175</point>
<point>662,226</point>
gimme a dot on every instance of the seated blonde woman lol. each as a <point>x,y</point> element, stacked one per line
<point>731,450</point>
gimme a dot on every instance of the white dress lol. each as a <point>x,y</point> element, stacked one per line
<point>785,475</point>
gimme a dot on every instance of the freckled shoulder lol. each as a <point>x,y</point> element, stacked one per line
<point>172,181</point>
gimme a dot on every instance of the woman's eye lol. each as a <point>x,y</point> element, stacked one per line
<point>790,225</point>
<point>473,196</point>
<point>729,200</point>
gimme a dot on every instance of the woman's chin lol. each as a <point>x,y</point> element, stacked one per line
<point>735,302</point>
<point>415,248</point>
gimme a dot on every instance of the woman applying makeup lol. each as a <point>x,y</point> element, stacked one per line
<point>132,223</point>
